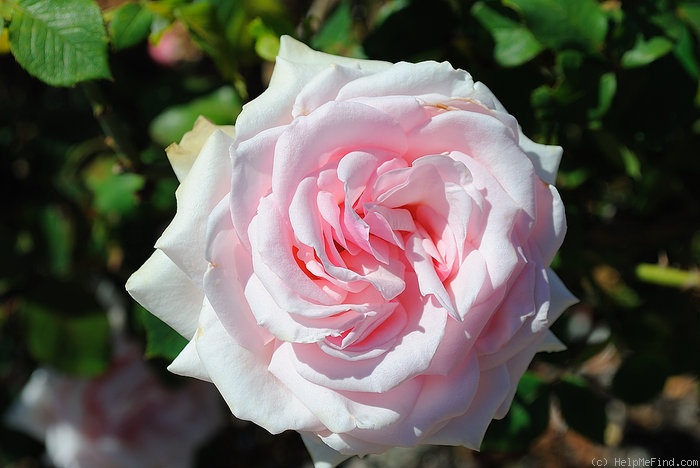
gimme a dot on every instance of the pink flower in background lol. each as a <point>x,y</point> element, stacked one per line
<point>174,47</point>
<point>365,259</point>
<point>125,418</point>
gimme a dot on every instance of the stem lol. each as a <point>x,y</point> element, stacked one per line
<point>665,276</point>
<point>116,135</point>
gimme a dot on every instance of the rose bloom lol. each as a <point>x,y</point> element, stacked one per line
<point>364,258</point>
<point>122,419</point>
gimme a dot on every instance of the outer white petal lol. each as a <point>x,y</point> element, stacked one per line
<point>322,455</point>
<point>189,364</point>
<point>295,66</point>
<point>162,288</point>
<point>561,298</point>
<point>551,343</point>
<point>545,158</point>
<point>301,54</point>
<point>208,181</point>
<point>468,430</point>
<point>182,155</point>
<point>424,79</point>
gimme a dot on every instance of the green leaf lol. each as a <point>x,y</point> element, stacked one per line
<point>607,87</point>
<point>685,53</point>
<point>582,408</point>
<point>514,43</point>
<point>161,340</point>
<point>60,238</point>
<point>558,24</point>
<point>114,191</point>
<point>690,12</point>
<point>61,43</point>
<point>336,34</point>
<point>267,42</point>
<point>646,51</point>
<point>65,329</point>
<point>221,107</point>
<point>130,25</point>
<point>633,167</point>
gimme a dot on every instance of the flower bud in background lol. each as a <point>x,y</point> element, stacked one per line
<point>124,418</point>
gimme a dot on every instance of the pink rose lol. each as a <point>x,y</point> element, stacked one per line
<point>124,418</point>
<point>367,260</point>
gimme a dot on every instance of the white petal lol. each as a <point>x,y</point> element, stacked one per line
<point>551,343</point>
<point>182,155</point>
<point>301,54</point>
<point>208,181</point>
<point>545,158</point>
<point>168,293</point>
<point>189,364</point>
<point>295,67</point>
<point>561,298</point>
<point>424,79</point>
<point>322,455</point>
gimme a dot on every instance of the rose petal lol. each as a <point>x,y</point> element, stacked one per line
<point>469,429</point>
<point>183,155</point>
<point>343,411</point>
<point>188,363</point>
<point>295,66</point>
<point>217,351</point>
<point>322,455</point>
<point>545,158</point>
<point>312,141</point>
<point>184,240</point>
<point>180,308</point>
<point>420,79</point>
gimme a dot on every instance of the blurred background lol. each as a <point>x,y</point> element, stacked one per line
<point>88,189</point>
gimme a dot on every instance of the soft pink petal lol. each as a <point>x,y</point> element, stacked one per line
<point>334,129</point>
<point>251,175</point>
<point>469,429</point>
<point>229,270</point>
<point>249,377</point>
<point>343,411</point>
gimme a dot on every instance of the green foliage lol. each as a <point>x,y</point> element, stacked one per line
<point>60,43</point>
<point>130,25</point>
<point>114,192</point>
<point>646,51</point>
<point>66,330</point>
<point>335,32</point>
<point>161,340</point>
<point>515,44</point>
<point>579,24</point>
<point>220,106</point>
